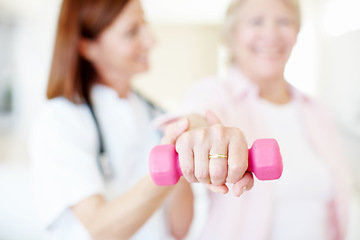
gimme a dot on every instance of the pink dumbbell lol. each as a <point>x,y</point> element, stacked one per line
<point>264,161</point>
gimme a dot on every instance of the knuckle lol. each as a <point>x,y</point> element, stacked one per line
<point>184,139</point>
<point>237,132</point>
<point>238,167</point>
<point>187,171</point>
<point>218,174</point>
<point>237,170</point>
<point>201,135</point>
<point>218,131</point>
<point>201,174</point>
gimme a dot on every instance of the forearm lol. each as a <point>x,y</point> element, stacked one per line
<point>122,217</point>
<point>180,209</point>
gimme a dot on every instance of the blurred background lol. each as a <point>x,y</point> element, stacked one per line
<point>324,64</point>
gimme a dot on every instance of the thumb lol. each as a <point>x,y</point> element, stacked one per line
<point>174,130</point>
<point>211,118</point>
<point>217,188</point>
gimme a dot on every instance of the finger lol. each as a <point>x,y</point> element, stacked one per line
<point>218,189</point>
<point>237,156</point>
<point>211,118</point>
<point>186,162</point>
<point>244,184</point>
<point>186,157</point>
<point>174,130</point>
<point>201,162</point>
<point>218,166</point>
<point>218,169</point>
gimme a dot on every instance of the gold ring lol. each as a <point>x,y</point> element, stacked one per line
<point>214,156</point>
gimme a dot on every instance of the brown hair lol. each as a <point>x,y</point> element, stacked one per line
<point>71,76</point>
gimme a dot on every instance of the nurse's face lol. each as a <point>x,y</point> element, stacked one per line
<point>264,35</point>
<point>122,48</point>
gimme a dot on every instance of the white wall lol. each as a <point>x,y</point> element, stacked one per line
<point>186,11</point>
<point>340,71</point>
<point>185,53</point>
<point>339,84</point>
<point>35,23</point>
<point>340,81</point>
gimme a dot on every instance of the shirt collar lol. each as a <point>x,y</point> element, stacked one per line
<point>103,92</point>
<point>242,87</point>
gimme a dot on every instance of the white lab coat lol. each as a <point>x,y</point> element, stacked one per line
<point>64,147</point>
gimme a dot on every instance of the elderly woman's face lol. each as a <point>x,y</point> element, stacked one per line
<point>263,37</point>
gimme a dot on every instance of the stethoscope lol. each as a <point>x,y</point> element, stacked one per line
<point>103,161</point>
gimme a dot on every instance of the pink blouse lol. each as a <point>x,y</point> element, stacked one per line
<point>234,101</point>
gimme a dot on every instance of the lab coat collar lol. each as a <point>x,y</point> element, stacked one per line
<point>101,92</point>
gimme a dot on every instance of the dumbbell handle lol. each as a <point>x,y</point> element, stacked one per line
<point>265,162</point>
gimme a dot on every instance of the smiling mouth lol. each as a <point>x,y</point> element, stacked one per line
<point>269,52</point>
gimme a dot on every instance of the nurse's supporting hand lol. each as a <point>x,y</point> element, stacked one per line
<point>174,130</point>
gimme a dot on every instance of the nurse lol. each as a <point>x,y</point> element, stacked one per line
<point>90,143</point>
<point>82,194</point>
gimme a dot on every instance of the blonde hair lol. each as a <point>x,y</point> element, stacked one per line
<point>232,14</point>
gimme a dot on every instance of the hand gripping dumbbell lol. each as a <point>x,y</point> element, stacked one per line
<point>264,161</point>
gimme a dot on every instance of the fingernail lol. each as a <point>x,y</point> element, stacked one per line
<point>242,191</point>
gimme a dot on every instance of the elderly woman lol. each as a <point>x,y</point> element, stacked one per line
<point>311,199</point>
